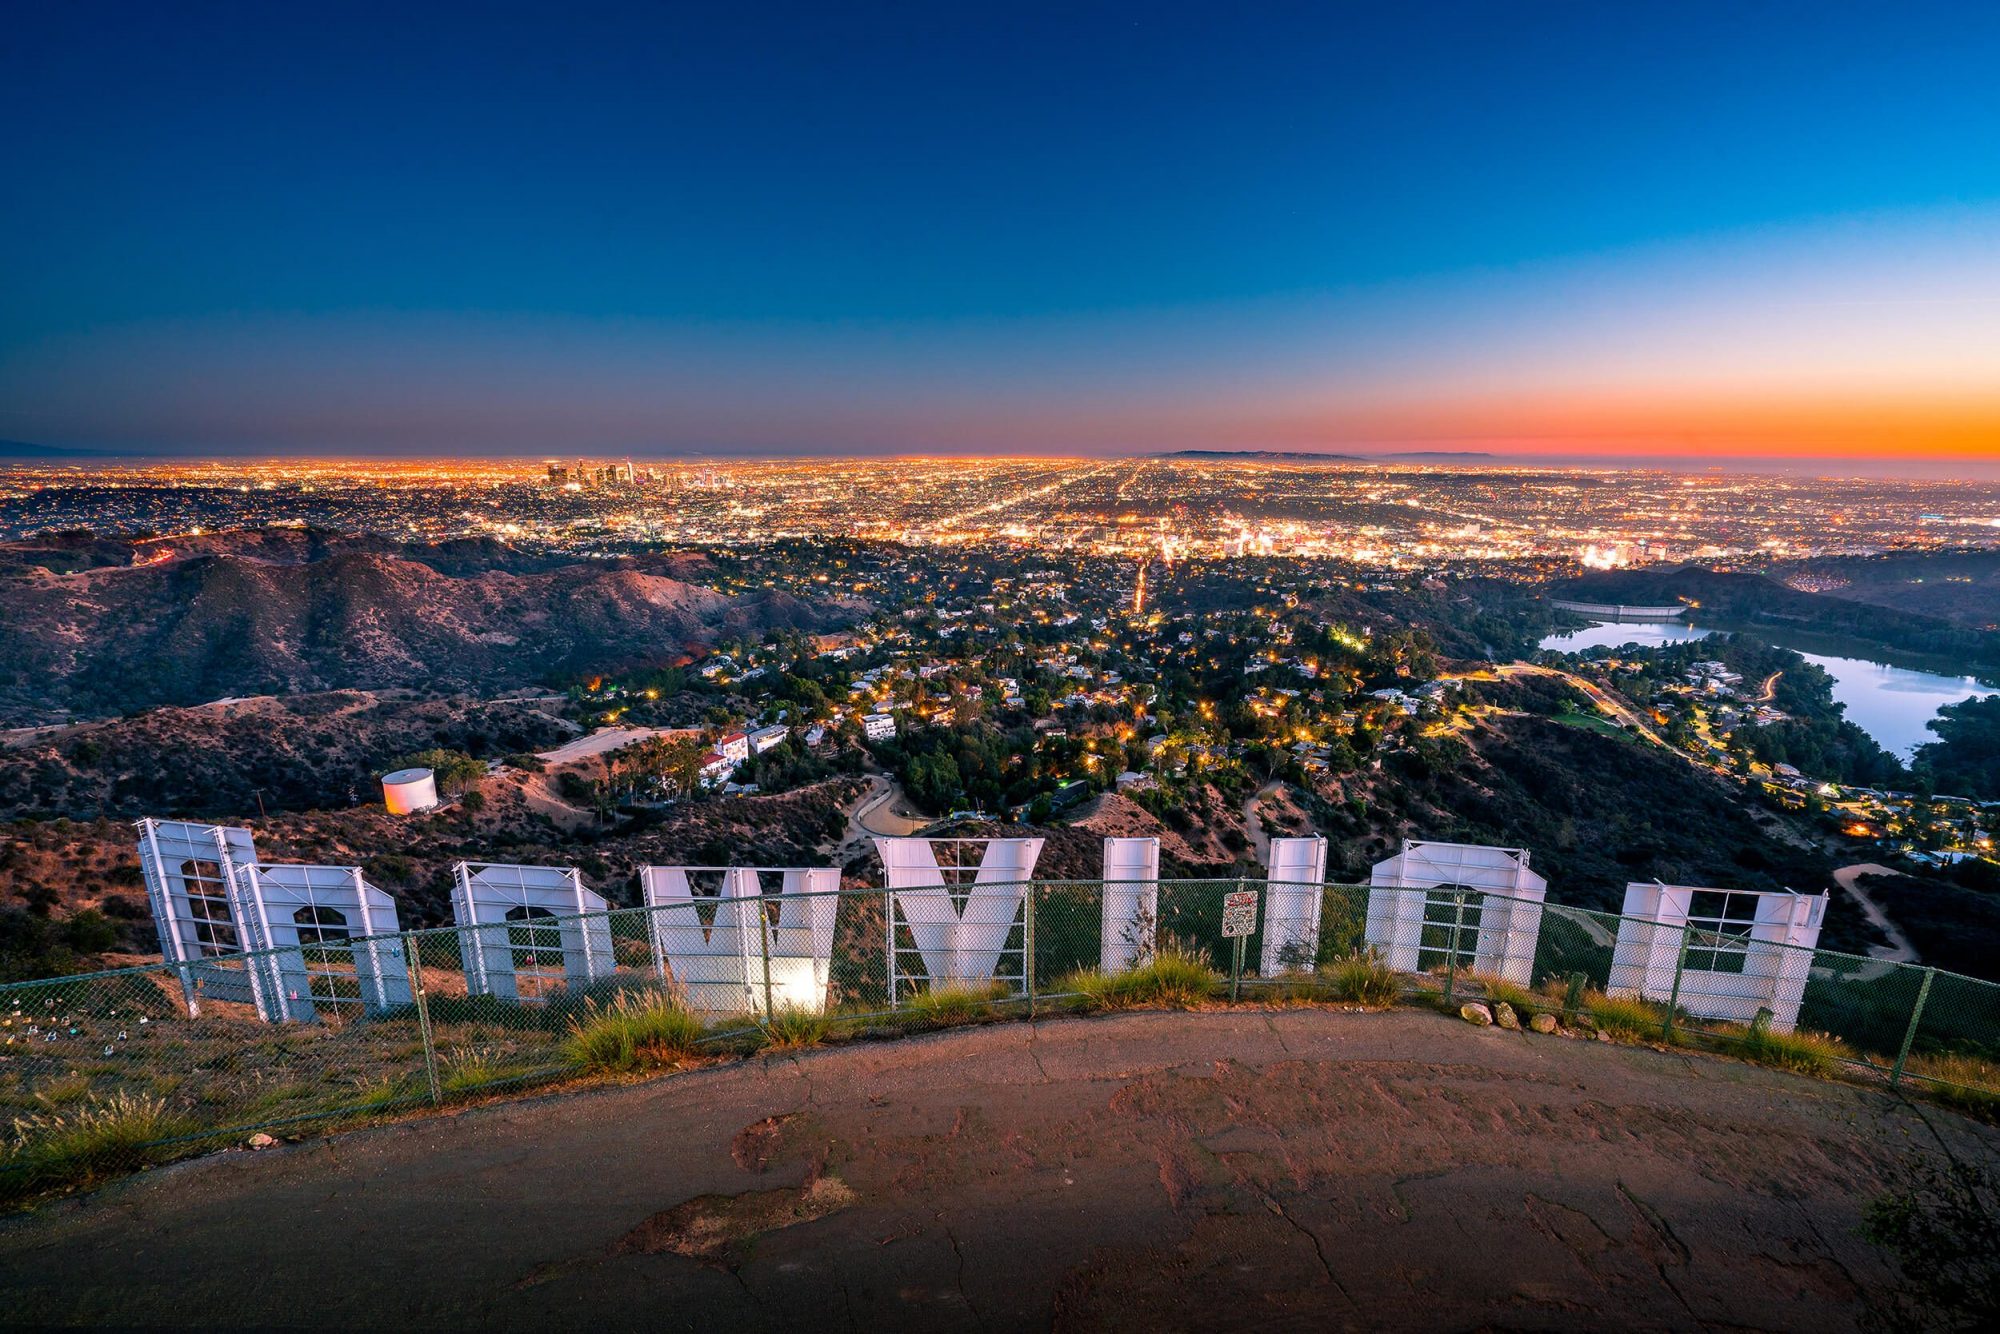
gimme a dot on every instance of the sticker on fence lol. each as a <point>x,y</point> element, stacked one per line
<point>1239,913</point>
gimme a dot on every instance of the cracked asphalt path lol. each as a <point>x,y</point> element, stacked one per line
<point>1274,1169</point>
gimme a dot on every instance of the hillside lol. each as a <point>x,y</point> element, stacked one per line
<point>292,611</point>
<point>221,760</point>
<point>1958,586</point>
<point>1752,600</point>
<point>1596,811</point>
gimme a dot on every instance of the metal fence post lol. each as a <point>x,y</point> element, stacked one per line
<point>764,948</point>
<point>1910,1033</point>
<point>889,943</point>
<point>1236,954</point>
<point>416,968</point>
<point>1451,959</point>
<point>1674,996</point>
<point>1028,947</point>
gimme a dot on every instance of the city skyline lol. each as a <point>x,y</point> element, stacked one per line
<point>1699,236</point>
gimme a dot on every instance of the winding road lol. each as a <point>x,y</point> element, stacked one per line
<point>876,815</point>
<point>1899,949</point>
<point>1253,823</point>
<point>1617,708</point>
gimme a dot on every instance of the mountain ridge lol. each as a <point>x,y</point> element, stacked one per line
<point>245,613</point>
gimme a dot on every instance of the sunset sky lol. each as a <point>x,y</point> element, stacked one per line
<point>1671,230</point>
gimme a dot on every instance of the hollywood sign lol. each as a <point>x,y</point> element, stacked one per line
<point>742,939</point>
<point>958,902</point>
<point>282,938</point>
<point>1717,953</point>
<point>1433,898</point>
<point>294,941</point>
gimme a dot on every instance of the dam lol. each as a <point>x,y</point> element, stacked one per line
<point>1618,612</point>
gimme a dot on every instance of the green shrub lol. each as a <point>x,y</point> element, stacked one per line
<point>1801,1052</point>
<point>1364,978</point>
<point>957,1003</point>
<point>1939,1226</point>
<point>454,770</point>
<point>83,1144</point>
<point>1967,1083</point>
<point>792,1027</point>
<point>1631,1018</point>
<point>1094,988</point>
<point>633,1031</point>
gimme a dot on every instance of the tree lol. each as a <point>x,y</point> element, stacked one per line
<point>454,770</point>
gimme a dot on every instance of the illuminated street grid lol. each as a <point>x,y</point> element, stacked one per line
<point>1398,517</point>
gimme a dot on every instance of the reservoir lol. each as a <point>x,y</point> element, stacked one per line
<point>1890,703</point>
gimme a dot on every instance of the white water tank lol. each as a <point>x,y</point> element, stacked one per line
<point>407,791</point>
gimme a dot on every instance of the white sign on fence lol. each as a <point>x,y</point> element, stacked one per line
<point>1239,913</point>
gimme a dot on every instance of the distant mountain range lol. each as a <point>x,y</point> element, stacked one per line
<point>99,626</point>
<point>1258,456</point>
<point>22,449</point>
<point>1310,456</point>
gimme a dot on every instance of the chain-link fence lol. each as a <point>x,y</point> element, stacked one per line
<point>107,1072</point>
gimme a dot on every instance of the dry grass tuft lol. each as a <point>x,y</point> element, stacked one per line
<point>793,1027</point>
<point>633,1032</point>
<point>1802,1053</point>
<point>1627,1018</point>
<point>1173,976</point>
<point>1363,978</point>
<point>88,1142</point>
<point>959,1003</point>
<point>1967,1083</point>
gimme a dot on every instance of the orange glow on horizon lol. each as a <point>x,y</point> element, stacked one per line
<point>1721,426</point>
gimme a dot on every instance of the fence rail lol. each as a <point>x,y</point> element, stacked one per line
<point>107,1071</point>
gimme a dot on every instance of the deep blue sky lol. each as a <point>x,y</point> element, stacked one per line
<point>776,227</point>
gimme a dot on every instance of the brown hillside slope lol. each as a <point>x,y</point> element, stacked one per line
<point>188,628</point>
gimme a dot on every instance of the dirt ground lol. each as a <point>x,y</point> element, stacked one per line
<point>1277,1170</point>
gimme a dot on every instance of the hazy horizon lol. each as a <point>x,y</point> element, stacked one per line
<point>1968,470</point>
